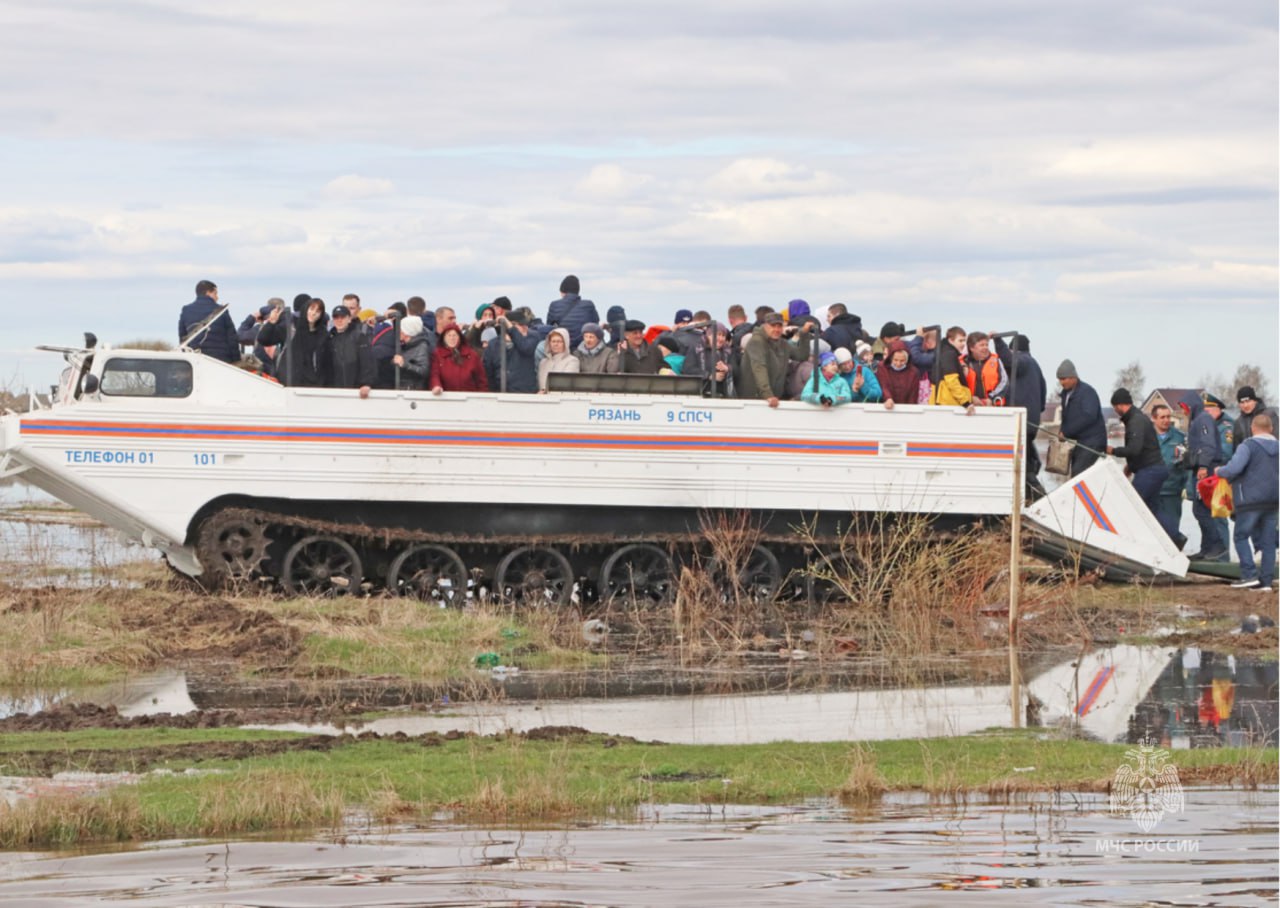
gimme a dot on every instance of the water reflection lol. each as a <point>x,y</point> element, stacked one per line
<point>906,851</point>
<point>1206,699</point>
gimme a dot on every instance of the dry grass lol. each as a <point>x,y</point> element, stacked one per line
<point>865,783</point>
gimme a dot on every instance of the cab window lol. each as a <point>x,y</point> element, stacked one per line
<point>139,377</point>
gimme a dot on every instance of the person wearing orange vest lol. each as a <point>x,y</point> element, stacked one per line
<point>985,374</point>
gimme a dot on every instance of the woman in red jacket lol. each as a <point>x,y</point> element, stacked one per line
<point>455,366</point>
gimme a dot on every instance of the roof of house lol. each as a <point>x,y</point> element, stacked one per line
<point>1175,396</point>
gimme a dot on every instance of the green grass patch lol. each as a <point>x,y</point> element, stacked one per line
<point>518,779</point>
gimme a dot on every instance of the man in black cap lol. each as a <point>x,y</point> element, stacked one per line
<point>350,358</point>
<point>1250,406</point>
<point>635,356</point>
<point>571,311</point>
<point>1141,451</point>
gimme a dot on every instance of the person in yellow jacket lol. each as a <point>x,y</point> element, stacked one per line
<point>950,389</point>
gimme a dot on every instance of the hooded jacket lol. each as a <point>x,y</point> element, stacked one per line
<point>557,362</point>
<point>1204,444</point>
<point>1254,474</point>
<point>219,340</point>
<point>1082,417</point>
<point>949,387</point>
<point>764,364</point>
<point>571,312</point>
<point>844,331</point>
<point>1029,388</point>
<point>1141,446</point>
<point>459,369</point>
<point>301,360</point>
<point>836,389</point>
<point>902,386</point>
<point>417,363</point>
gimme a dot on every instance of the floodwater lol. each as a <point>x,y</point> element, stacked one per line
<point>1064,849</point>
<point>43,542</point>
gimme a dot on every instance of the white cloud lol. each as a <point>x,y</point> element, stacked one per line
<point>353,187</point>
<point>611,182</point>
<point>767,177</point>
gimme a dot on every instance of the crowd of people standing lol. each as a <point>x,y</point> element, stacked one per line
<point>771,355</point>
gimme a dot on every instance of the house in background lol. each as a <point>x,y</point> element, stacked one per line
<point>1172,398</point>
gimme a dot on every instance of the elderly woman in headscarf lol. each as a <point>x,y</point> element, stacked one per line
<point>455,366</point>
<point>899,378</point>
<point>558,358</point>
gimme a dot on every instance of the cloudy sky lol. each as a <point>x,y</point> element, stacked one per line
<point>1099,175</point>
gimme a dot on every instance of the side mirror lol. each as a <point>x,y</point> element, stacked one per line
<point>91,384</point>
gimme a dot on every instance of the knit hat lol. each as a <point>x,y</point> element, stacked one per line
<point>482,309</point>
<point>501,302</point>
<point>1121,396</point>
<point>892,329</point>
<point>487,335</point>
<point>843,355</point>
<point>569,284</point>
<point>1067,369</point>
<point>827,359</point>
<point>683,315</point>
<point>861,347</point>
<point>411,325</point>
<point>633,324</point>
<point>1212,400</point>
<point>796,309</point>
<point>593,328</point>
<point>1246,393</point>
<point>366,314</point>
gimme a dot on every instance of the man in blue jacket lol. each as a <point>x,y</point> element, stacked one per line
<point>519,348</point>
<point>1082,420</point>
<point>1254,474</point>
<point>571,311</point>
<point>219,339</point>
<point>1204,453</point>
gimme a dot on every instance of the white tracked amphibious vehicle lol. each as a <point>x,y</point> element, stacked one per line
<point>238,479</point>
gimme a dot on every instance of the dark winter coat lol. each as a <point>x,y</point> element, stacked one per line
<point>460,369</point>
<point>1254,474</point>
<point>349,360</point>
<point>219,340</point>
<point>647,360</point>
<point>692,344</point>
<point>1242,428</point>
<point>571,312</point>
<point>844,331</point>
<point>1030,391</point>
<point>616,320</point>
<point>383,345</point>
<point>765,362</point>
<point>1082,417</point>
<point>417,363</point>
<point>1141,446</point>
<point>522,373</point>
<point>1204,444</point>
<point>300,361</point>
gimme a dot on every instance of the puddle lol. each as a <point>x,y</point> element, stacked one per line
<point>146,695</point>
<point>1045,850</point>
<point>1205,699</point>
